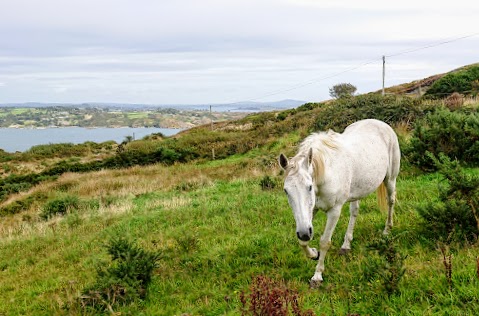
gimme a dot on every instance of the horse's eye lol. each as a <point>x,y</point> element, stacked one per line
<point>310,188</point>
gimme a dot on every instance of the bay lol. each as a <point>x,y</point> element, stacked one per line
<point>22,139</point>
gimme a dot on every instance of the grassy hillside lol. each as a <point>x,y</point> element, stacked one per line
<point>215,229</point>
<point>218,224</point>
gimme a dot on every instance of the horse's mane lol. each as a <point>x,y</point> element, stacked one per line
<point>321,144</point>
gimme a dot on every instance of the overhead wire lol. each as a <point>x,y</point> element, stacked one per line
<point>319,79</point>
<point>455,39</point>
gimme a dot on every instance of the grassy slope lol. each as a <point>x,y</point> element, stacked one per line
<point>216,228</point>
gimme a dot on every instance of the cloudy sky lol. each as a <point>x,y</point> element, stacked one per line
<point>221,51</point>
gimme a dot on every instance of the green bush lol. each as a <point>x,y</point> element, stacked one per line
<point>18,183</point>
<point>390,109</point>
<point>125,280</point>
<point>12,208</point>
<point>461,81</point>
<point>5,156</point>
<point>66,150</point>
<point>455,134</point>
<point>456,215</point>
<point>388,266</point>
<point>22,204</point>
<point>268,183</point>
<point>60,206</point>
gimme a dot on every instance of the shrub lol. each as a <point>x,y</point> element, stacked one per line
<point>456,215</point>
<point>18,183</point>
<point>308,106</point>
<point>460,81</point>
<point>284,114</point>
<point>57,150</point>
<point>390,264</point>
<point>125,280</point>
<point>21,204</point>
<point>12,208</point>
<point>390,109</point>
<point>455,134</point>
<point>59,206</point>
<point>268,183</point>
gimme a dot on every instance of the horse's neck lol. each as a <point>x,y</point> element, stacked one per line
<point>336,166</point>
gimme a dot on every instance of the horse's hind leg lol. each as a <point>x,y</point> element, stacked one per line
<point>391,195</point>
<point>353,213</point>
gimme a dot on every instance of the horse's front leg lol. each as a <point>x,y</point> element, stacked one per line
<point>325,244</point>
<point>311,253</point>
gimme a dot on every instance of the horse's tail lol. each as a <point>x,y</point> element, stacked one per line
<point>382,197</point>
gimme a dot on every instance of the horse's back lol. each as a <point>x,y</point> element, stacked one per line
<point>374,151</point>
<point>370,127</point>
<point>370,134</point>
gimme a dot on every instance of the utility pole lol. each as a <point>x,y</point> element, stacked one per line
<point>384,71</point>
<point>211,118</point>
<point>212,148</point>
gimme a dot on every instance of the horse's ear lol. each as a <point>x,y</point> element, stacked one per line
<point>283,161</point>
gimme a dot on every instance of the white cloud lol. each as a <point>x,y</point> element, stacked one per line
<point>189,51</point>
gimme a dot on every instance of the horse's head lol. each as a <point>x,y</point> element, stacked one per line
<point>300,189</point>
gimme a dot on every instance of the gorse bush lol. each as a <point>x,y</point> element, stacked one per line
<point>60,206</point>
<point>268,183</point>
<point>124,159</point>
<point>455,134</point>
<point>461,81</point>
<point>456,215</point>
<point>65,150</point>
<point>125,280</point>
<point>390,109</point>
<point>18,183</point>
<point>389,266</point>
<point>12,208</point>
<point>21,204</point>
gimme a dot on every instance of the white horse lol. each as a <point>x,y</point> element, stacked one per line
<point>331,169</point>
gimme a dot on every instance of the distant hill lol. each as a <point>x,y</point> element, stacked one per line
<point>245,106</point>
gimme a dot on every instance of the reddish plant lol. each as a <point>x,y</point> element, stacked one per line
<point>447,261</point>
<point>271,298</point>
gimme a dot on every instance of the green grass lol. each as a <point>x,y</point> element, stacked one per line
<point>215,237</point>
<point>17,111</point>
<point>137,115</point>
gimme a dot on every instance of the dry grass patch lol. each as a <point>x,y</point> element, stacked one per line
<point>174,202</point>
<point>114,192</point>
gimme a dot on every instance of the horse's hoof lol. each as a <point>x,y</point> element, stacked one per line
<point>315,284</point>
<point>344,251</point>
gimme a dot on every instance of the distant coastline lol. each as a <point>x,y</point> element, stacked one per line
<point>22,139</point>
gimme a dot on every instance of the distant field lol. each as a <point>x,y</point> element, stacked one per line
<point>103,117</point>
<point>17,111</point>
<point>137,115</point>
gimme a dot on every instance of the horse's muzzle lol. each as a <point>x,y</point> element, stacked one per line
<point>305,235</point>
